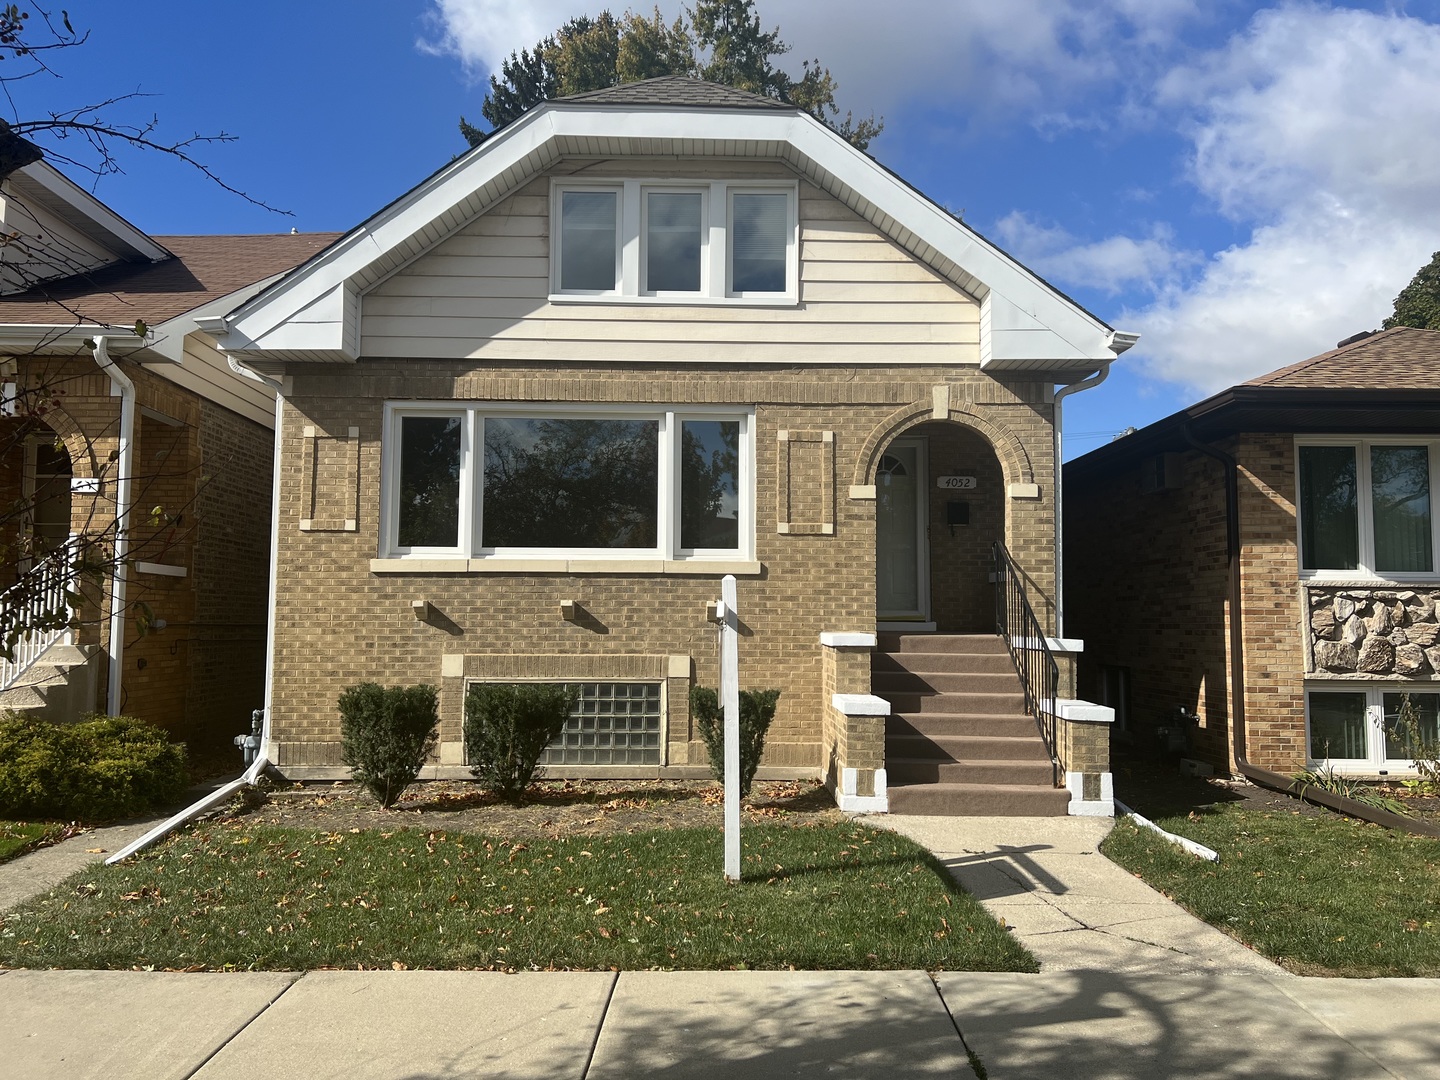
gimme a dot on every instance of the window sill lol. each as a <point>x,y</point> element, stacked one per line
<point>668,567</point>
<point>676,301</point>
<point>1347,580</point>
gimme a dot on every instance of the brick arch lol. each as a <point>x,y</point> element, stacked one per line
<point>1014,459</point>
<point>77,445</point>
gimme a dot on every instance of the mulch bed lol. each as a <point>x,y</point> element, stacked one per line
<point>554,808</point>
<point>1157,788</point>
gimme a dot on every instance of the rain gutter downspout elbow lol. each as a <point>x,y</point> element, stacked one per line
<point>124,386</point>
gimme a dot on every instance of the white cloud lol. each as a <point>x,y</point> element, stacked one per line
<point>1150,263</point>
<point>975,57</point>
<point>1314,127</point>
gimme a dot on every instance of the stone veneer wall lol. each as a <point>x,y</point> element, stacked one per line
<point>1383,633</point>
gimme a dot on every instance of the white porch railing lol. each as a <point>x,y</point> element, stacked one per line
<point>41,595</point>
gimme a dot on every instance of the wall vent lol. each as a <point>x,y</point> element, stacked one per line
<point>1159,472</point>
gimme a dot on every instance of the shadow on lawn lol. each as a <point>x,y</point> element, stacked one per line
<point>1157,788</point>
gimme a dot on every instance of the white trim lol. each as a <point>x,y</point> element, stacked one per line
<point>860,705</point>
<point>1080,806</point>
<point>161,569</point>
<point>667,556</point>
<point>1366,575</point>
<point>1024,321</point>
<point>839,639</point>
<point>1084,711</point>
<point>1374,763</point>
<point>847,800</point>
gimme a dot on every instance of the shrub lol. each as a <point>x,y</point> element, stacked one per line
<point>386,734</point>
<point>102,768</point>
<point>757,710</point>
<point>1423,750</point>
<point>507,729</point>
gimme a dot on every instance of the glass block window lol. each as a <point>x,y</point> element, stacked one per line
<point>614,723</point>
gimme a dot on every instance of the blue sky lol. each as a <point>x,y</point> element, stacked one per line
<point>1242,184</point>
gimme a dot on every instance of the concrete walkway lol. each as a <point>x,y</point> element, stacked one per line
<point>1071,906</point>
<point>43,869</point>
<point>1131,988</point>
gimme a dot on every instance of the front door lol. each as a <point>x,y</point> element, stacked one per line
<point>902,591</point>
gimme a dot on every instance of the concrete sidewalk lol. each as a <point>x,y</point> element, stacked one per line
<point>429,1025</point>
<point>44,868</point>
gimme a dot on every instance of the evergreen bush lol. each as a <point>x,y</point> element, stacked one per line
<point>387,733</point>
<point>757,710</point>
<point>508,727</point>
<point>102,768</point>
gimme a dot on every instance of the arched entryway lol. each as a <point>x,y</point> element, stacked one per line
<point>939,506</point>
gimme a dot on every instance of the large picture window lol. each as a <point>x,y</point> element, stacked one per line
<point>704,242</point>
<point>480,480</point>
<point>1364,507</point>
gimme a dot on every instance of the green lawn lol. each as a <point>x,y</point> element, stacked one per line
<point>252,897</point>
<point>1322,896</point>
<point>18,837</point>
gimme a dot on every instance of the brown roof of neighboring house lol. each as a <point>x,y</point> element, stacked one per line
<point>204,268</point>
<point>1384,382</point>
<point>1400,359</point>
<point>677,90</point>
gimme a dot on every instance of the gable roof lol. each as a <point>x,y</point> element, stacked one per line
<point>1386,382</point>
<point>313,314</point>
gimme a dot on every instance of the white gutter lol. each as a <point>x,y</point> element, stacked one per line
<point>262,757</point>
<point>1200,851</point>
<point>125,471</point>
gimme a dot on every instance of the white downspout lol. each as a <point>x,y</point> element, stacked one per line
<point>125,472</point>
<point>262,757</point>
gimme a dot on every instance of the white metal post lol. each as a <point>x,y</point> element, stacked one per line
<point>730,700</point>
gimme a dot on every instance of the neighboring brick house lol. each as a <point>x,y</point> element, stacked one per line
<point>1335,465</point>
<point>159,412</point>
<point>534,409</point>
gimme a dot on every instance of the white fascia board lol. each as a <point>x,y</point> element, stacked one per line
<point>170,335</point>
<point>22,339</point>
<point>1016,298</point>
<point>1022,317</point>
<point>87,213</point>
<point>333,268</point>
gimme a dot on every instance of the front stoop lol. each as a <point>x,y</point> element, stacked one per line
<point>958,740</point>
<point>59,687</point>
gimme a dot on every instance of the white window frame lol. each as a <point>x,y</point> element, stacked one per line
<point>705,259</point>
<point>792,245</point>
<point>472,476</point>
<point>390,482</point>
<point>1374,762</point>
<point>1364,509</point>
<point>715,274</point>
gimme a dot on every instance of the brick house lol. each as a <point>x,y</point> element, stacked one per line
<point>536,408</point>
<point>103,418</point>
<point>1330,467</point>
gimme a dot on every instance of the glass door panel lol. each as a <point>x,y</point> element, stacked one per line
<point>899,532</point>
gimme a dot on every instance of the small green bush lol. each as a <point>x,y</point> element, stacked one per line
<point>103,768</point>
<point>386,733</point>
<point>507,728</point>
<point>757,710</point>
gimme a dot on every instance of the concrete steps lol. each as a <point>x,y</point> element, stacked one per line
<point>958,740</point>
<point>60,686</point>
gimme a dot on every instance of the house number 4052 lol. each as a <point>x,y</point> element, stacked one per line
<point>955,483</point>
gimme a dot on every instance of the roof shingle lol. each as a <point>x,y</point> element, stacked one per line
<point>204,268</point>
<point>1400,359</point>
<point>679,91</point>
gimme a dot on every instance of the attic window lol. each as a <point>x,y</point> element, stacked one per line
<point>702,242</point>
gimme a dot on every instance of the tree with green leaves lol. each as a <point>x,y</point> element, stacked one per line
<point>1418,304</point>
<point>718,40</point>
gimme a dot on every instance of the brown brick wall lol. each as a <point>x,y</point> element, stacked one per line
<point>1147,588</point>
<point>338,623</point>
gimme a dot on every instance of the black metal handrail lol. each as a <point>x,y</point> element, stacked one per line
<point>1016,623</point>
